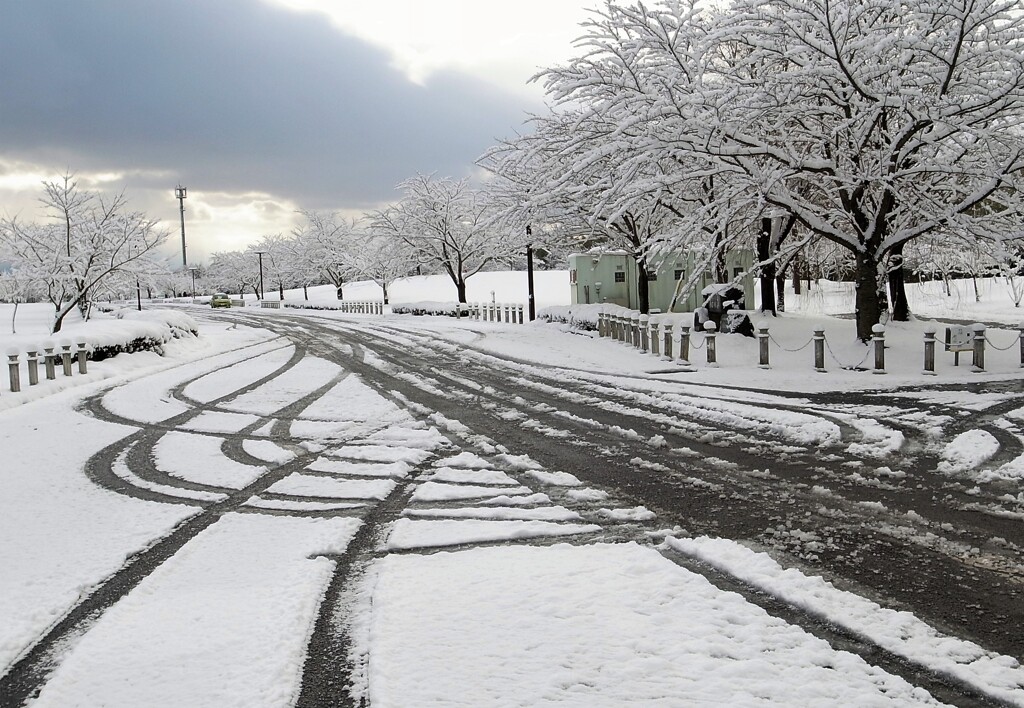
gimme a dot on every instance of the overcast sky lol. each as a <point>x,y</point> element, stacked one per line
<point>261,107</point>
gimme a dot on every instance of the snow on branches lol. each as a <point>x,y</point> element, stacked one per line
<point>871,123</point>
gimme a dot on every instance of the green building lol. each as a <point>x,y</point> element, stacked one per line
<point>611,276</point>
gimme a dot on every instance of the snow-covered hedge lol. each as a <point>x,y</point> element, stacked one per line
<point>314,305</point>
<point>132,331</point>
<point>576,316</point>
<point>447,309</point>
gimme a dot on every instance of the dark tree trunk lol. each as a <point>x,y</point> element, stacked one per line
<point>897,286</point>
<point>868,303</point>
<point>780,292</point>
<point>280,291</point>
<point>643,288</point>
<point>384,287</point>
<point>460,288</point>
<point>305,292</point>
<point>796,274</point>
<point>766,275</point>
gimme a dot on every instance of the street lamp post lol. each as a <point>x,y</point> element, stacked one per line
<point>138,293</point>
<point>260,254</point>
<point>531,307</point>
<point>180,193</point>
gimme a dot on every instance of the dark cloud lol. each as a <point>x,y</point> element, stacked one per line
<point>232,95</point>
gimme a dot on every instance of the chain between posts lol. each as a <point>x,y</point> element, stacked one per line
<point>1014,343</point>
<point>791,351</point>
<point>697,347</point>
<point>858,365</point>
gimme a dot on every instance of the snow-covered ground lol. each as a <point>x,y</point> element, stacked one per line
<point>491,588</point>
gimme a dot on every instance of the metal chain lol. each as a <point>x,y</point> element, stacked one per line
<point>697,347</point>
<point>1014,343</point>
<point>792,351</point>
<point>841,364</point>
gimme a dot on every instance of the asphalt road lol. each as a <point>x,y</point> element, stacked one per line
<point>946,549</point>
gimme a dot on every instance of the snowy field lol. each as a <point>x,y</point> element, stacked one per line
<point>499,582</point>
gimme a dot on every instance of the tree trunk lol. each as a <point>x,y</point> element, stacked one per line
<point>796,274</point>
<point>977,295</point>
<point>384,287</point>
<point>305,292</point>
<point>780,292</point>
<point>460,288</point>
<point>868,303</point>
<point>897,286</point>
<point>643,288</point>
<point>766,276</point>
<point>280,291</point>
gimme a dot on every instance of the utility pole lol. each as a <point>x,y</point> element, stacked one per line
<point>180,193</point>
<point>260,254</point>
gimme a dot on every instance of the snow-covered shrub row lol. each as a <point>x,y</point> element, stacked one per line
<point>579,316</point>
<point>447,309</point>
<point>132,331</point>
<point>314,305</point>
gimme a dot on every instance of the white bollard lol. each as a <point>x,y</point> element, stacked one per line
<point>33,366</point>
<point>14,369</point>
<point>82,354</point>
<point>709,337</point>
<point>49,360</point>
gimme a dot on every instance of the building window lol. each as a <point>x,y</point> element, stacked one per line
<point>737,272</point>
<point>652,277</point>
<point>678,274</point>
<point>620,277</point>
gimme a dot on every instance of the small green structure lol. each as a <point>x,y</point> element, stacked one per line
<point>611,276</point>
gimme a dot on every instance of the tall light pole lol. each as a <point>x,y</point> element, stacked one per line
<point>193,282</point>
<point>260,254</point>
<point>531,307</point>
<point>180,193</point>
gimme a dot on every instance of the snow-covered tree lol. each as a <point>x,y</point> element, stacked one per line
<point>89,237</point>
<point>871,122</point>
<point>234,271</point>
<point>446,226</point>
<point>382,260</point>
<point>326,240</point>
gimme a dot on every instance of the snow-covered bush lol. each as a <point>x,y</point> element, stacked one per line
<point>314,305</point>
<point>582,317</point>
<point>447,309</point>
<point>133,331</point>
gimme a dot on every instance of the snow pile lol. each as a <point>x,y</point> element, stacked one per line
<point>968,450</point>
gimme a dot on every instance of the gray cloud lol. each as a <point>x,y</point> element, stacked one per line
<point>232,95</point>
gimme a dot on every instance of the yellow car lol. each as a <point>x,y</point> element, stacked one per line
<point>220,300</point>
